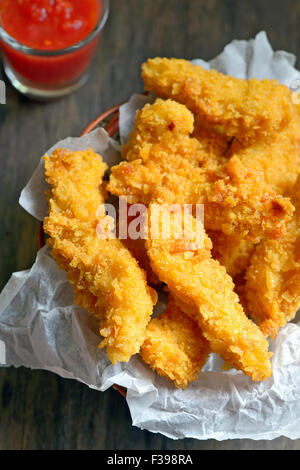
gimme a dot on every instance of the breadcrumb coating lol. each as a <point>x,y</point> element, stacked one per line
<point>174,346</point>
<point>277,157</point>
<point>231,251</point>
<point>244,109</point>
<point>273,278</point>
<point>203,290</point>
<point>229,144</point>
<point>236,200</point>
<point>215,144</point>
<point>160,143</point>
<point>161,152</point>
<point>138,250</point>
<point>106,279</point>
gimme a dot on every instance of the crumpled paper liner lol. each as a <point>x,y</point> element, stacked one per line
<point>43,329</point>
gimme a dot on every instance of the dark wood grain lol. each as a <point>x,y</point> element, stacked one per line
<point>39,410</point>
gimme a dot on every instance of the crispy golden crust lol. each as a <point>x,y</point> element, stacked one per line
<point>167,118</point>
<point>138,250</point>
<point>159,144</point>
<point>231,251</point>
<point>107,280</point>
<point>174,346</point>
<point>215,144</point>
<point>137,246</point>
<point>244,109</point>
<point>175,123</point>
<point>160,152</point>
<point>202,289</point>
<point>273,278</point>
<point>238,154</point>
<point>277,157</point>
<point>237,200</point>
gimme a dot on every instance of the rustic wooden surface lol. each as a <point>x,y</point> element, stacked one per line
<point>39,410</point>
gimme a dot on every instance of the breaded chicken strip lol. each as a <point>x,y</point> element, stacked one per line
<point>232,251</point>
<point>215,144</point>
<point>273,278</point>
<point>136,246</point>
<point>174,346</point>
<point>236,199</point>
<point>161,152</point>
<point>160,143</point>
<point>138,250</point>
<point>107,280</point>
<point>278,157</point>
<point>203,290</point>
<point>160,125</point>
<point>244,109</point>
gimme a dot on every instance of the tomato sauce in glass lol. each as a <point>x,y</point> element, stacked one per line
<point>50,25</point>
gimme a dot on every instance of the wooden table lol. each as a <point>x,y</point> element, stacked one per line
<point>39,410</point>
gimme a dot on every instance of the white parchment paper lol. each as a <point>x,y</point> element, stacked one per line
<point>43,329</point>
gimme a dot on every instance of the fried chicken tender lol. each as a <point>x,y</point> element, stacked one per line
<point>215,143</point>
<point>204,291</point>
<point>160,143</point>
<point>138,250</point>
<point>161,152</point>
<point>244,109</point>
<point>273,278</point>
<point>231,251</point>
<point>236,201</point>
<point>175,123</point>
<point>136,246</point>
<point>174,346</point>
<point>106,279</point>
<point>278,157</point>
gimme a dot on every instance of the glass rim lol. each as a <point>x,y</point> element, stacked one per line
<point>11,41</point>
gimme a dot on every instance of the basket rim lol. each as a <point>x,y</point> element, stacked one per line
<point>111,128</point>
<point>113,111</point>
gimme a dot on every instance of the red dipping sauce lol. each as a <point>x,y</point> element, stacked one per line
<point>50,43</point>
